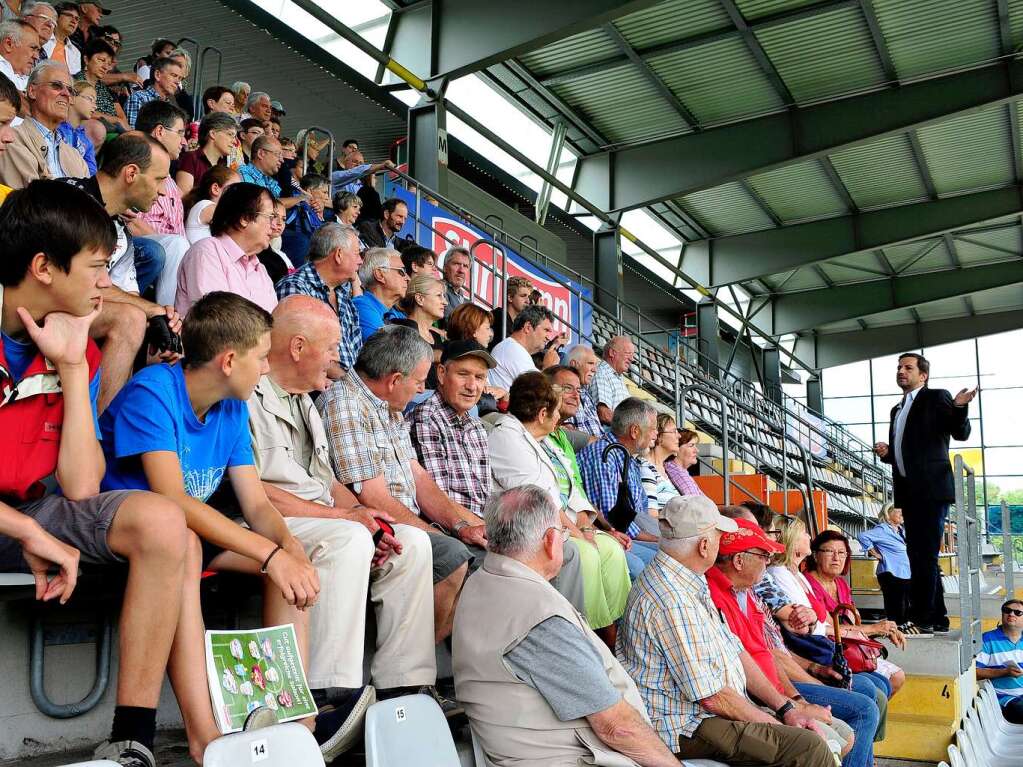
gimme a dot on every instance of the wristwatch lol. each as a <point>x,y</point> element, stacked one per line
<point>460,524</point>
<point>786,707</point>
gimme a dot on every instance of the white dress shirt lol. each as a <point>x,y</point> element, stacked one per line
<point>900,426</point>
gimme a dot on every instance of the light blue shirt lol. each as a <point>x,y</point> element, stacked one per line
<point>890,543</point>
<point>53,142</point>
<point>347,180</point>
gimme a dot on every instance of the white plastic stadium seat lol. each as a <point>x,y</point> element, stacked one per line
<point>990,712</point>
<point>955,756</point>
<point>409,730</point>
<point>282,745</point>
<point>988,754</point>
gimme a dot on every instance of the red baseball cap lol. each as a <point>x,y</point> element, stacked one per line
<point>748,536</point>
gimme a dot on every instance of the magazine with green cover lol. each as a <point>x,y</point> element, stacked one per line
<point>258,667</point>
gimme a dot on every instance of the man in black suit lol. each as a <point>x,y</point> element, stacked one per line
<point>921,426</point>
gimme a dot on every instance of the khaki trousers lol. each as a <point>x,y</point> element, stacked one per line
<point>751,744</point>
<point>401,593</point>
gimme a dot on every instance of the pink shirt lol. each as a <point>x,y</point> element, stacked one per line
<point>217,263</point>
<point>167,216</point>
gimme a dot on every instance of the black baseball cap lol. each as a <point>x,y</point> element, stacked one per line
<point>456,350</point>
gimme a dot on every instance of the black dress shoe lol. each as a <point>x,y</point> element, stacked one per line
<point>924,628</point>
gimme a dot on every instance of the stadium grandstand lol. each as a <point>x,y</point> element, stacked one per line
<point>675,341</point>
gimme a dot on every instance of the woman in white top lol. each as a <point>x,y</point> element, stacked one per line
<point>787,576</point>
<point>202,201</point>
<point>521,454</point>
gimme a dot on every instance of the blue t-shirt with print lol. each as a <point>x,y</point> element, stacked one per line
<point>152,412</point>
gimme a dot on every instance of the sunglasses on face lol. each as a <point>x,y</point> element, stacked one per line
<point>1010,611</point>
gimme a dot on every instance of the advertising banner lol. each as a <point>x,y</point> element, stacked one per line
<point>439,229</point>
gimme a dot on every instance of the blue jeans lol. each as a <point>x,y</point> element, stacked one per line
<point>877,687</point>
<point>639,556</point>
<point>149,260</point>
<point>856,710</point>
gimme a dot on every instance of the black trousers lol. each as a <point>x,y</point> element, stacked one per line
<point>896,597</point>
<point>925,524</point>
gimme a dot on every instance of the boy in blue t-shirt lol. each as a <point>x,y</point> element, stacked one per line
<point>179,430</point>
<point>1001,660</point>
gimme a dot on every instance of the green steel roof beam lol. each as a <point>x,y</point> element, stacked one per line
<point>812,308</point>
<point>741,257</point>
<point>685,164</point>
<point>826,350</point>
<point>454,38</point>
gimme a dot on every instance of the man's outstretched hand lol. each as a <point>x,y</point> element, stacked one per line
<point>965,397</point>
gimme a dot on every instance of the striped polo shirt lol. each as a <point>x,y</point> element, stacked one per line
<point>996,650</point>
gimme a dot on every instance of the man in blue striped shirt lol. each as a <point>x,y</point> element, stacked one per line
<point>1001,660</point>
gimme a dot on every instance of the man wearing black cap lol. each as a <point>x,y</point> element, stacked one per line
<point>451,443</point>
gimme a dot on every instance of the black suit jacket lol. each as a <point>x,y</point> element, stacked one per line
<point>932,420</point>
<point>373,236</point>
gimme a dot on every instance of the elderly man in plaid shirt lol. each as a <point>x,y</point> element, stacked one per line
<point>326,275</point>
<point>372,456</point>
<point>691,671</point>
<point>608,388</point>
<point>634,426</point>
<point>585,361</point>
<point>452,444</point>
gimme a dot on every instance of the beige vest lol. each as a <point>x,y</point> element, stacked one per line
<point>498,607</point>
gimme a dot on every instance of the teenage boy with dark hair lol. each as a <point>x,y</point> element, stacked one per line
<point>179,430</point>
<point>56,241</point>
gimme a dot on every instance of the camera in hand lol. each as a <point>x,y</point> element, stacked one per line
<point>160,337</point>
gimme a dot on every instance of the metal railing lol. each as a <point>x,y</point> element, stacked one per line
<point>677,366</point>
<point>967,538</point>
<point>198,107</point>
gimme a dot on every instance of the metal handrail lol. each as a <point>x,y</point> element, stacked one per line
<point>195,56</point>
<point>1008,553</point>
<point>197,100</point>
<point>967,539</point>
<point>843,455</point>
<point>37,688</point>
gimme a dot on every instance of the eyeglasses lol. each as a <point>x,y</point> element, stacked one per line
<point>565,532</point>
<point>1010,611</point>
<point>273,217</point>
<point>668,431</point>
<point>58,87</point>
<point>181,132</point>
<point>399,269</point>
<point>760,554</point>
<point>47,21</point>
<point>72,14</point>
<point>566,388</point>
<point>839,553</point>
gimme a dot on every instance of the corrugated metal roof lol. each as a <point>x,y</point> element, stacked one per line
<point>803,279</point>
<point>622,104</point>
<point>1003,244</point>
<point>939,258</point>
<point>827,54</point>
<point>881,172</point>
<point>969,152</point>
<point>726,209</point>
<point>575,51</point>
<point>754,9</point>
<point>673,20</point>
<point>798,192</point>
<point>925,36</point>
<point>1016,21</point>
<point>718,81</point>
<point>900,256</point>
<point>841,274</point>
<point>1008,297</point>
<point>312,95</point>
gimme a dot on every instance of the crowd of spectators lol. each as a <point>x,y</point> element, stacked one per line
<point>222,355</point>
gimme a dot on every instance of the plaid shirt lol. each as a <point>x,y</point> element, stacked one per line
<point>367,439</point>
<point>600,479</point>
<point>254,175</point>
<point>137,100</point>
<point>585,418</point>
<point>681,479</point>
<point>607,387</point>
<point>453,449</point>
<point>676,648</point>
<point>306,281</point>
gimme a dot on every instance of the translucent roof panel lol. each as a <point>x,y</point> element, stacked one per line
<point>925,36</point>
<point>827,54</point>
<point>798,191</point>
<point>969,152</point>
<point>880,172</point>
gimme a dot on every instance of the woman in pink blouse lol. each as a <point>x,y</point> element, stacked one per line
<point>241,229</point>
<point>678,449</point>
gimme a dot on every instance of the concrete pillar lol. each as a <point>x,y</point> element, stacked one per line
<point>428,145</point>
<point>607,269</point>
<point>708,338</point>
